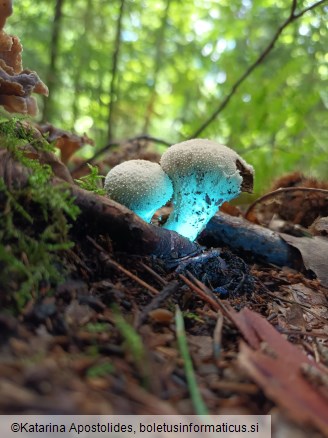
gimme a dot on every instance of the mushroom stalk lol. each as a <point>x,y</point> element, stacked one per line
<point>195,203</point>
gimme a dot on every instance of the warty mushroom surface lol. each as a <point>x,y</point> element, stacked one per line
<point>204,174</point>
<point>140,185</point>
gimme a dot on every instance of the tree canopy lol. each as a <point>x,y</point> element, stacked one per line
<point>123,68</point>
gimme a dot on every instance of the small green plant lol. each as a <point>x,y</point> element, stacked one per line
<point>134,345</point>
<point>192,316</point>
<point>97,327</point>
<point>100,370</point>
<point>92,181</point>
<point>196,397</point>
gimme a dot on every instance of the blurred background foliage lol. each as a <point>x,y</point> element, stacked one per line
<point>120,68</point>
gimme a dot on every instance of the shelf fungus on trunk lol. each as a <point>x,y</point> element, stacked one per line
<point>16,84</point>
<point>204,175</point>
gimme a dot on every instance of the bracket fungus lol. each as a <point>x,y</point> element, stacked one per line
<point>204,175</point>
<point>140,185</point>
<point>16,84</point>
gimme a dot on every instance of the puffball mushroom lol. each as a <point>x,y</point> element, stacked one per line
<point>204,175</point>
<point>140,185</point>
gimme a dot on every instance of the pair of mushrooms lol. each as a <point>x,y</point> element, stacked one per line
<point>200,175</point>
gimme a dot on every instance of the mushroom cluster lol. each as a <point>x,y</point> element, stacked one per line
<point>203,173</point>
<point>16,84</point>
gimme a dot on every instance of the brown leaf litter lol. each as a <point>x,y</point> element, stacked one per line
<point>260,350</point>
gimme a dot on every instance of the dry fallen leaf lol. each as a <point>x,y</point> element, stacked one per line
<point>278,371</point>
<point>314,252</point>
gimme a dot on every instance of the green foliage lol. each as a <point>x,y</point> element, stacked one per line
<point>133,341</point>
<point>278,118</point>
<point>196,397</point>
<point>33,222</point>
<point>92,181</point>
<point>134,345</point>
<point>97,327</point>
<point>100,370</point>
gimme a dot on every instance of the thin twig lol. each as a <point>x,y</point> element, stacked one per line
<point>235,387</point>
<point>305,307</point>
<point>282,190</point>
<point>111,262</point>
<point>154,274</point>
<point>209,293</point>
<point>292,17</point>
<point>217,336</point>
<point>309,8</point>
<point>285,300</point>
<point>200,293</point>
<point>168,290</point>
<point>320,335</point>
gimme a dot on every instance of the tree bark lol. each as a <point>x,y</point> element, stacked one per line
<point>83,59</point>
<point>51,79</point>
<point>240,234</point>
<point>114,70</point>
<point>157,67</point>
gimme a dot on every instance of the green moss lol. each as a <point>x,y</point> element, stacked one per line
<point>34,227</point>
<point>92,181</point>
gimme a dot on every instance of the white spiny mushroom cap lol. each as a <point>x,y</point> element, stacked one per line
<point>204,175</point>
<point>140,185</point>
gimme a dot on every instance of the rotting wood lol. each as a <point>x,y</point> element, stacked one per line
<point>239,234</point>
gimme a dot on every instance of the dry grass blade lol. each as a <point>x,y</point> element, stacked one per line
<point>196,397</point>
<point>217,336</point>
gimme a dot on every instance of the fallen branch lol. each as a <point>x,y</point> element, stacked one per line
<point>239,234</point>
<point>100,215</point>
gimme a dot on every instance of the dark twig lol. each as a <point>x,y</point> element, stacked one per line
<point>157,301</point>
<point>119,267</point>
<point>118,143</point>
<point>310,334</point>
<point>282,190</point>
<point>217,336</point>
<point>309,8</point>
<point>292,17</point>
<point>154,274</point>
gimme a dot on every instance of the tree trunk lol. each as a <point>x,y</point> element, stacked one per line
<point>112,90</point>
<point>83,59</point>
<point>157,67</point>
<point>51,79</point>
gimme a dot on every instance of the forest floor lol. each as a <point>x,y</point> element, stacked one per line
<point>105,341</point>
